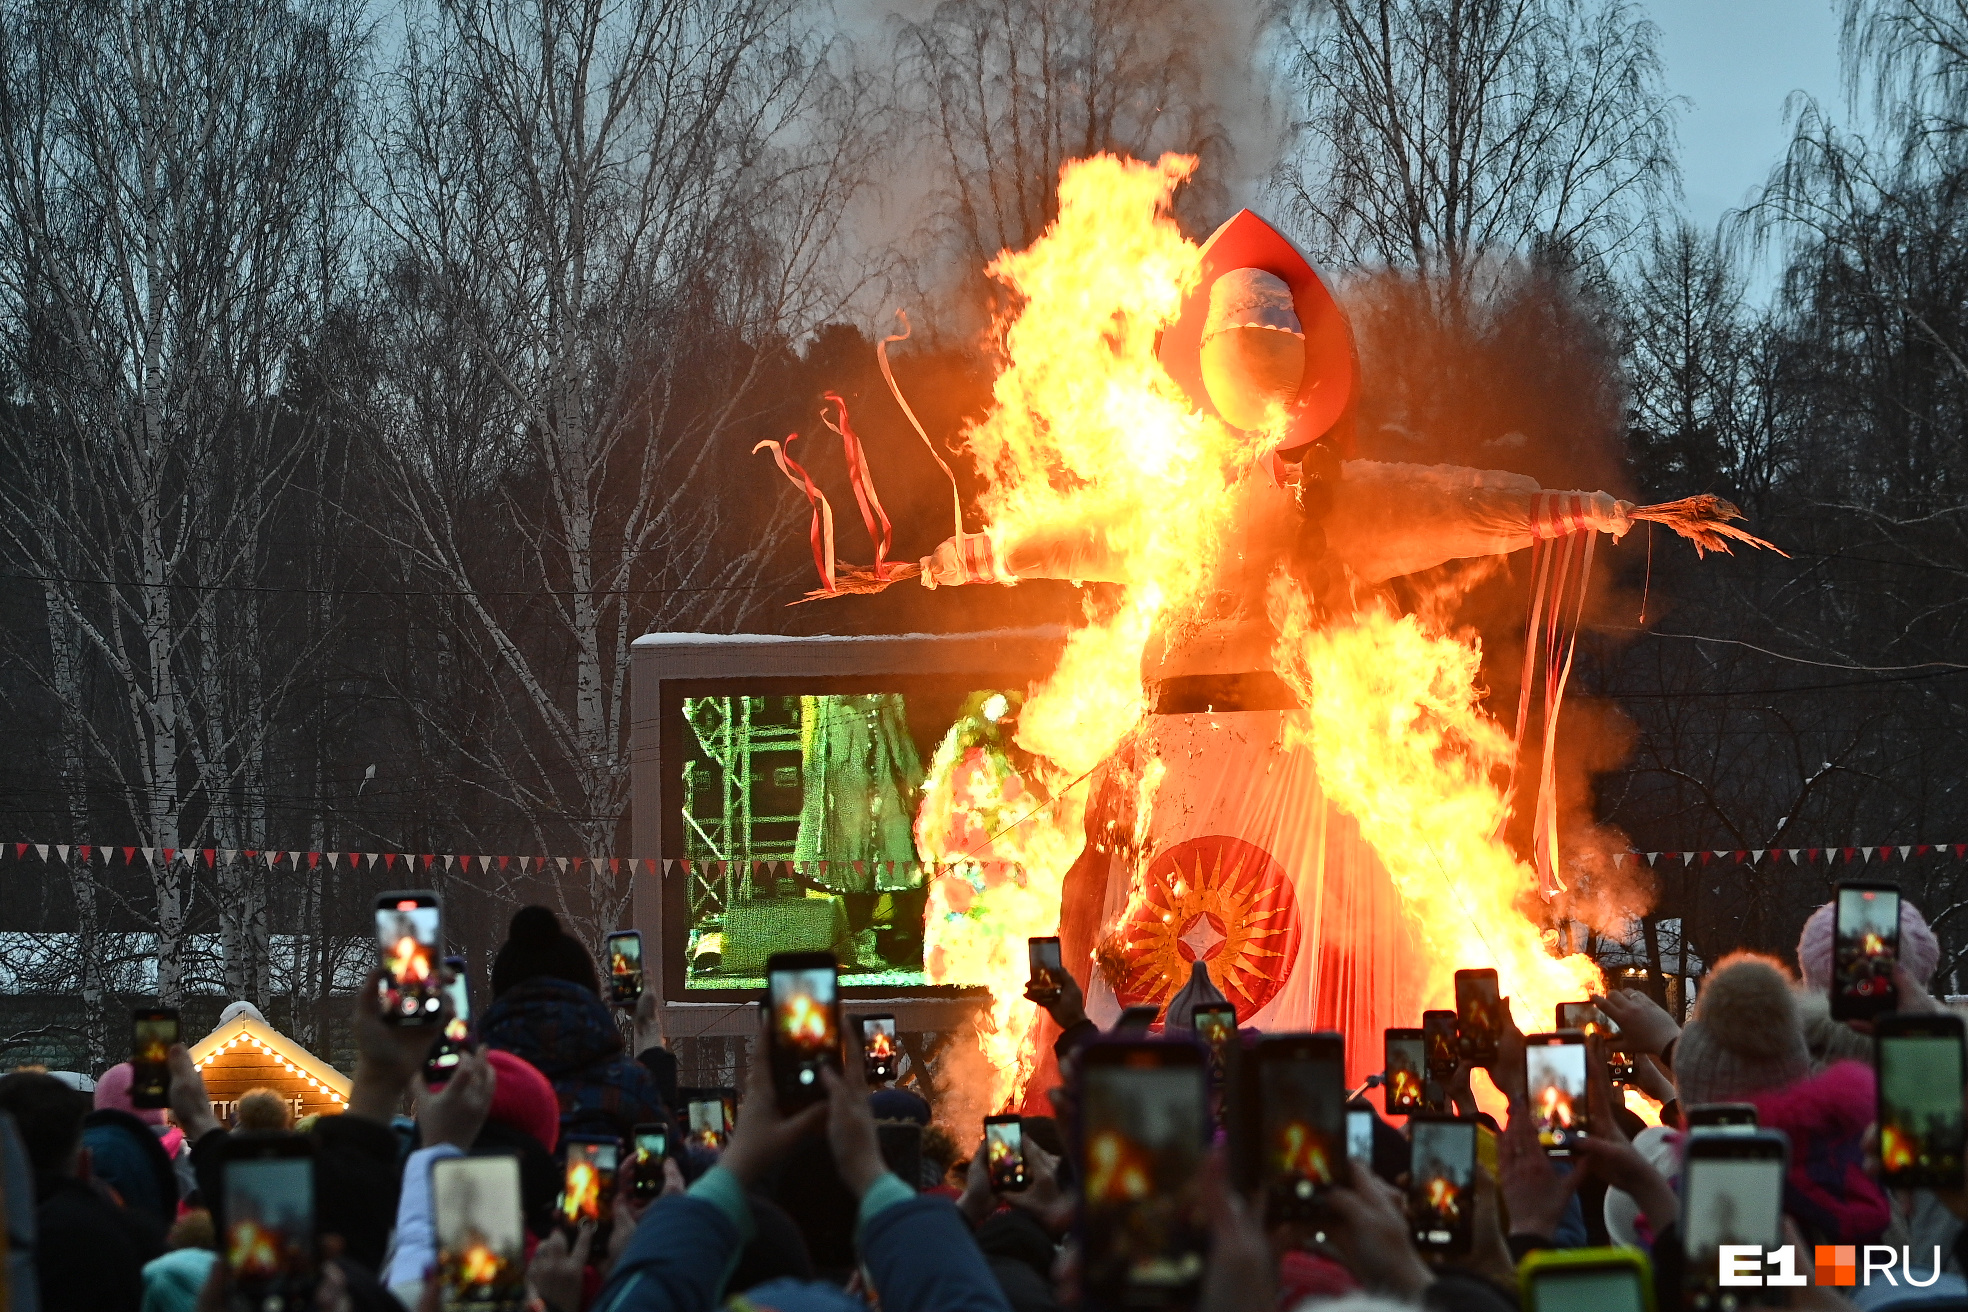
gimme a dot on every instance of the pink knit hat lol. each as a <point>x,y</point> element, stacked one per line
<point>523,1099</point>
<point>113,1094</point>
<point>1919,952</point>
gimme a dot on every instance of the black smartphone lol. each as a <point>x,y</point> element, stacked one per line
<point>1919,1062</point>
<point>1136,1020</point>
<point>1554,1073</point>
<point>1442,1182</point>
<point>624,967</point>
<point>1144,1130</point>
<point>1404,1071</point>
<point>652,1145</point>
<point>804,1028</point>
<point>153,1031</point>
<point>1439,1028</point>
<point>587,1181</point>
<point>408,935</point>
<point>1720,1116</point>
<point>1731,1194</point>
<point>269,1242</point>
<point>1293,1095</point>
<point>1479,1016</point>
<point>1004,1152</point>
<point>481,1233</point>
<point>455,1042</point>
<point>1216,1026</point>
<point>710,1114</point>
<point>879,1050</point>
<point>1360,1136</point>
<point>1865,945</point>
<point>1048,969</point>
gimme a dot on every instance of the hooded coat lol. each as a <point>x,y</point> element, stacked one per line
<point>126,1154</point>
<point>569,1035</point>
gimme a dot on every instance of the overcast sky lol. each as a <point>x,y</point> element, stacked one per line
<point>1737,61</point>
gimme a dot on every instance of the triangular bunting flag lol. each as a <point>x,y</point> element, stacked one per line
<point>614,864</point>
<point>1868,852</point>
<point>1922,850</point>
<point>20,851</point>
<point>561,861</point>
<point>1757,855</point>
<point>41,850</point>
<point>1793,856</point>
<point>389,861</point>
<point>1687,858</point>
<point>252,852</point>
<point>1653,857</point>
<point>211,857</point>
<point>85,849</point>
<point>294,859</point>
<point>449,857</point>
<point>1960,851</point>
<point>1905,850</point>
<point>333,858</point>
<point>1619,859</point>
<point>428,858</point>
<point>229,853</point>
<point>61,850</point>
<point>577,864</point>
<point>667,863</point>
<point>130,855</point>
<point>170,855</point>
<point>314,861</point>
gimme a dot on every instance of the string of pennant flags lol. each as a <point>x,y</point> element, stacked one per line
<point>212,857</point>
<point>1800,856</point>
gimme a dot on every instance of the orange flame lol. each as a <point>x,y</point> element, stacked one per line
<point>1089,439</point>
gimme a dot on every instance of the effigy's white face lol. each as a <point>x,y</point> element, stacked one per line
<point>1253,349</point>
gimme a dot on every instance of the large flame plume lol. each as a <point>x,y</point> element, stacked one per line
<point>1085,428</point>
<point>1088,434</point>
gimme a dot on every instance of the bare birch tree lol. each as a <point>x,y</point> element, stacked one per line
<point>1438,133</point>
<point>601,227</point>
<point>164,163</point>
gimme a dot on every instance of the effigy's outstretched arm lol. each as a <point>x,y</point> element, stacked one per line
<point>1077,551</point>
<point>1393,519</point>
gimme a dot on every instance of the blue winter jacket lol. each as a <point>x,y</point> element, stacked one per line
<point>570,1037</point>
<point>917,1252</point>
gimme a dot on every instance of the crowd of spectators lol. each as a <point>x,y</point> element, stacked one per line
<point>803,1211</point>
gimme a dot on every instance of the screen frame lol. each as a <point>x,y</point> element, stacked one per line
<point>670,666</point>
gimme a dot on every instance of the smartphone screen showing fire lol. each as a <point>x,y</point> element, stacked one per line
<point>1442,1177</point>
<point>457,986</point>
<point>1920,1121</point>
<point>652,1143</point>
<point>481,1238</point>
<point>151,1037</point>
<point>1143,1138</point>
<point>1555,1075</point>
<point>1047,968</point>
<point>803,1021</point>
<point>1004,1153</point>
<point>851,792</point>
<point>878,1046</point>
<point>1407,1068</point>
<point>407,935</point>
<point>587,1180</point>
<point>1479,1015</point>
<point>269,1238</point>
<point>1216,1026</point>
<point>1303,1124</point>
<point>624,968</point>
<point>1865,944</point>
<point>710,1127</point>
<point>1728,1201</point>
<point>1438,1030</point>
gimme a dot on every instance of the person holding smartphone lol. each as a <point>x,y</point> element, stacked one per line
<point>547,1007</point>
<point>915,1248</point>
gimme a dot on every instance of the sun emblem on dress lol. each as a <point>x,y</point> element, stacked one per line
<point>1215,899</point>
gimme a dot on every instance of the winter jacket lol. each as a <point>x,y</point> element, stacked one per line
<point>566,1032</point>
<point>916,1250</point>
<point>125,1154</point>
<point>91,1252</point>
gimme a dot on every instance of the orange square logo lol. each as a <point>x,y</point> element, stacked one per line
<point>1838,1264</point>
